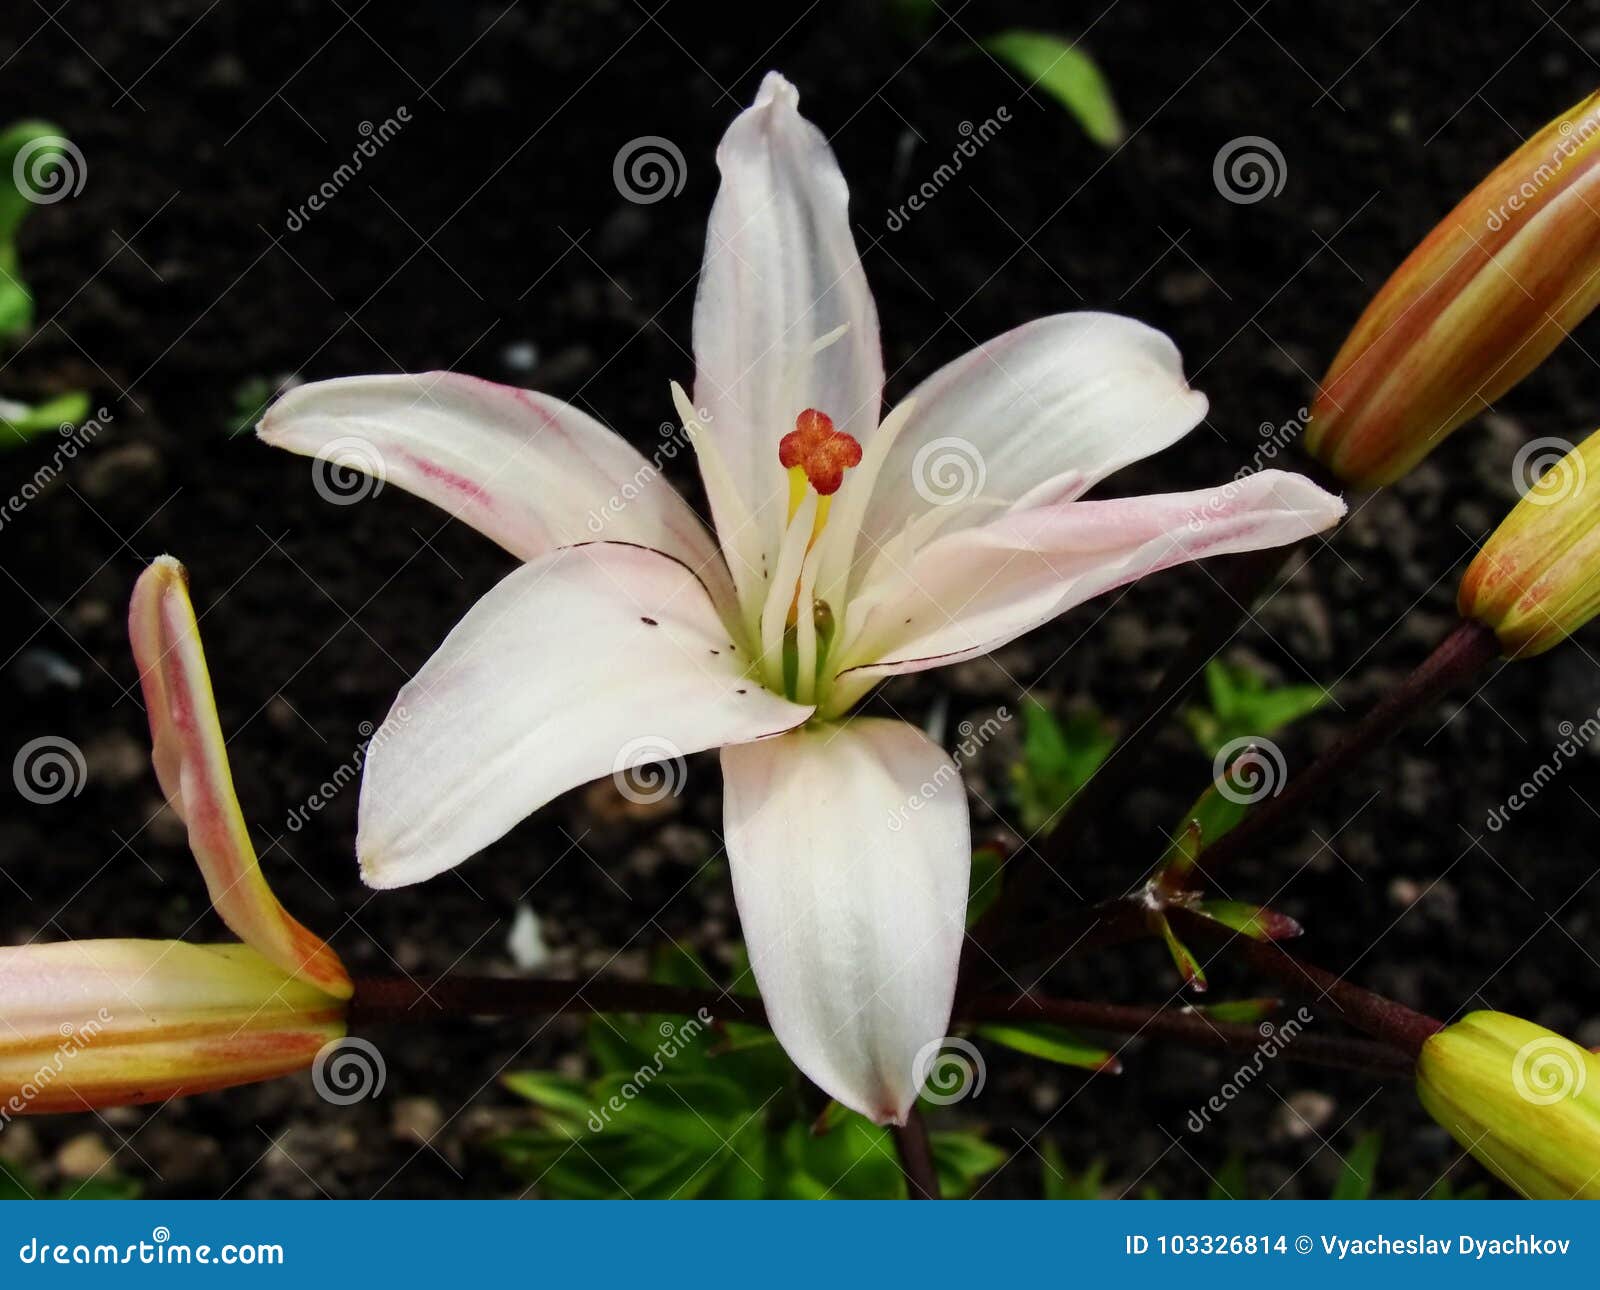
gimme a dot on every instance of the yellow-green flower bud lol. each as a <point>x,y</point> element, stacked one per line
<point>1523,1100</point>
<point>1537,579</point>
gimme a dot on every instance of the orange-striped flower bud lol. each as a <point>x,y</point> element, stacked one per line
<point>1478,305</point>
<point>111,1022</point>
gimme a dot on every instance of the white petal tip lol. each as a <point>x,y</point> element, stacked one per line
<point>1321,508</point>
<point>378,873</point>
<point>776,88</point>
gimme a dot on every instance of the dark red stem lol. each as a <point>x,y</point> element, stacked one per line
<point>401,999</point>
<point>1241,585</point>
<point>379,999</point>
<point>1384,1019</point>
<point>916,1157</point>
<point>1197,1030</point>
<point>1469,647</point>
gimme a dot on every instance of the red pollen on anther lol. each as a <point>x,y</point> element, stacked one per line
<point>821,451</point>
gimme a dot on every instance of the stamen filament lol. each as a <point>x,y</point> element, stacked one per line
<point>781,593</point>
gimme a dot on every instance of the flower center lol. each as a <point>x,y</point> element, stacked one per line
<point>796,629</point>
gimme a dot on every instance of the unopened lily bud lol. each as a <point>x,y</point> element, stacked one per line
<point>1478,305</point>
<point>116,1022</point>
<point>1537,579</point>
<point>1521,1099</point>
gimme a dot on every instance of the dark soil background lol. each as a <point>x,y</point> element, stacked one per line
<point>488,236</point>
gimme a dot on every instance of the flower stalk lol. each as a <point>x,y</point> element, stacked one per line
<point>409,1001</point>
<point>1467,649</point>
<point>916,1157</point>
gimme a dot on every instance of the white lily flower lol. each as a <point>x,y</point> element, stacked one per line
<point>847,549</point>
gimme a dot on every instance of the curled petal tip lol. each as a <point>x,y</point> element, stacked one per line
<point>777,88</point>
<point>191,764</point>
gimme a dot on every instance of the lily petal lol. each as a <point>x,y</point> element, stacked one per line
<point>970,592</point>
<point>529,471</point>
<point>587,662</point>
<point>116,1022</point>
<point>850,850</point>
<point>781,276</point>
<point>1080,393</point>
<point>191,761</point>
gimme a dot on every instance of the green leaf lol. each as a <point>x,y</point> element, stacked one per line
<point>1240,1010</point>
<point>1068,75</point>
<point>251,398</point>
<point>46,156</point>
<point>962,1161</point>
<point>102,1187</point>
<point>1255,921</point>
<point>1183,958</point>
<point>1445,1190</point>
<point>1244,706</point>
<point>1057,761</point>
<point>1358,1179</point>
<point>1060,1183</point>
<point>1232,1181</point>
<point>1054,1044</point>
<point>20,422</point>
<point>1212,815</point>
<point>914,15</point>
<point>983,888</point>
<point>856,1161</point>
<point>566,1099</point>
<point>689,1110</point>
<point>678,964</point>
<point>613,1042</point>
<point>15,1182</point>
<point>747,1168</point>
